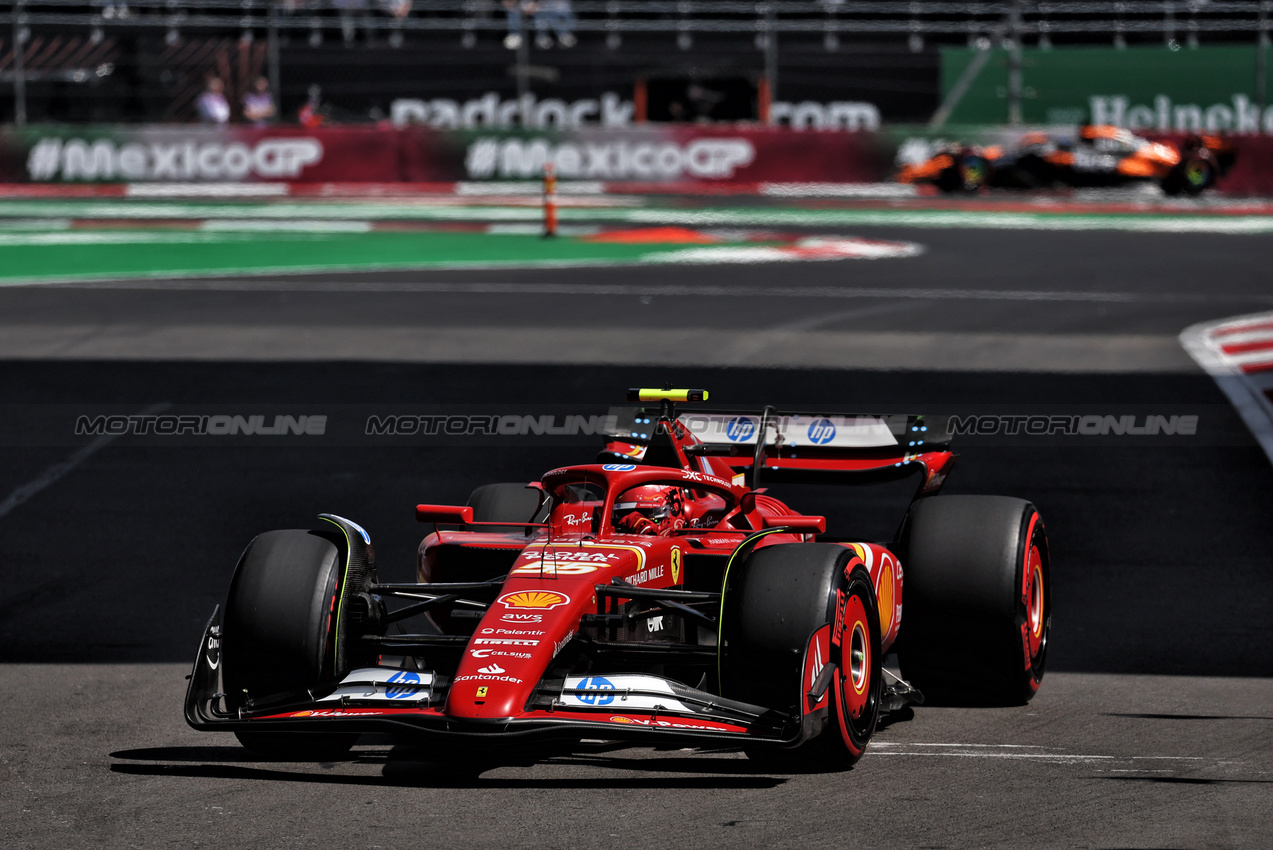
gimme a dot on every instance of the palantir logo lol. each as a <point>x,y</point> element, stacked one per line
<point>600,691</point>
<point>739,428</point>
<point>821,432</point>
<point>402,685</point>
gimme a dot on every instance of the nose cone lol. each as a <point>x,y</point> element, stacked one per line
<point>493,695</point>
<point>512,647</point>
<point>537,613</point>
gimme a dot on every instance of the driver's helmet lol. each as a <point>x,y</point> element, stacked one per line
<point>656,504</point>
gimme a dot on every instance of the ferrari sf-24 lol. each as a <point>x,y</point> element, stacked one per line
<point>661,594</point>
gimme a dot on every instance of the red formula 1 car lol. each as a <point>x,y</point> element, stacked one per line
<point>1097,156</point>
<point>659,593</point>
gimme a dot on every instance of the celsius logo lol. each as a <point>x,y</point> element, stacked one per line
<point>599,691</point>
<point>402,685</point>
<point>739,429</point>
<point>821,432</point>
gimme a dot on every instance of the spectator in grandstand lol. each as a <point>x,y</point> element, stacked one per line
<point>211,106</point>
<point>703,100</point>
<point>313,113</point>
<point>517,10</point>
<point>113,9</point>
<point>396,8</point>
<point>347,9</point>
<point>258,103</point>
<point>560,18</point>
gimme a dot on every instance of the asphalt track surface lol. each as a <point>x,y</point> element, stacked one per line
<point>1154,727</point>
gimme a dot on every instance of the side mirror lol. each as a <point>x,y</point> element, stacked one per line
<point>444,513</point>
<point>798,522</point>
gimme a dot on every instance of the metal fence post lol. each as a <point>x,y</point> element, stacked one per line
<point>771,53</point>
<point>523,64</point>
<point>274,70</point>
<point>1014,64</point>
<point>19,69</point>
<point>1261,59</point>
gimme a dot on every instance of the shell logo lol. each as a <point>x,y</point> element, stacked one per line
<point>619,719</point>
<point>540,599</point>
<point>302,714</point>
<point>884,595</point>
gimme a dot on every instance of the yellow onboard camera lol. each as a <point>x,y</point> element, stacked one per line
<point>645,394</point>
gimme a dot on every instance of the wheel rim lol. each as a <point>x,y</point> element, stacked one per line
<point>858,658</point>
<point>973,172</point>
<point>1035,621</point>
<point>857,673</point>
<point>855,650</point>
<point>1196,173</point>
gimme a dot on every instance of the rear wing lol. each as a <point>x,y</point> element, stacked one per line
<point>811,431</point>
<point>796,430</point>
<point>797,446</point>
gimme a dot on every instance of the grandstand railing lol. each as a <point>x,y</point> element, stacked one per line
<point>983,25</point>
<point>881,17</point>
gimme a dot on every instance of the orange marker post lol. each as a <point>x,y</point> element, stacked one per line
<point>550,200</point>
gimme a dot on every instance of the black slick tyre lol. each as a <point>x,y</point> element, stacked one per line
<point>977,601</point>
<point>775,601</point>
<point>280,634</point>
<point>505,502</point>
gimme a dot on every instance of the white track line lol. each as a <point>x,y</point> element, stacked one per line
<point>1244,392</point>
<point>176,280</point>
<point>51,475</point>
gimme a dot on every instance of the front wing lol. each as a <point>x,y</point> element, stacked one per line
<point>383,700</point>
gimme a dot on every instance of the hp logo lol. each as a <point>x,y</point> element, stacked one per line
<point>739,429</point>
<point>821,432</point>
<point>599,691</point>
<point>403,685</point>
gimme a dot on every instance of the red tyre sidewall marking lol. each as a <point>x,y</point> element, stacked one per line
<point>851,698</point>
<point>1034,612</point>
<point>1031,572</point>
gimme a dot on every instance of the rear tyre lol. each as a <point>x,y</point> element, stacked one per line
<point>950,180</point>
<point>774,603</point>
<point>1191,177</point>
<point>505,502</point>
<point>978,602</point>
<point>280,635</point>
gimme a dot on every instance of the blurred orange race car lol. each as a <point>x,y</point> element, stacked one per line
<point>1099,155</point>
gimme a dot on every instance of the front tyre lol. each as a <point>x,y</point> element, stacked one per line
<point>776,602</point>
<point>978,607</point>
<point>855,690</point>
<point>974,172</point>
<point>280,635</point>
